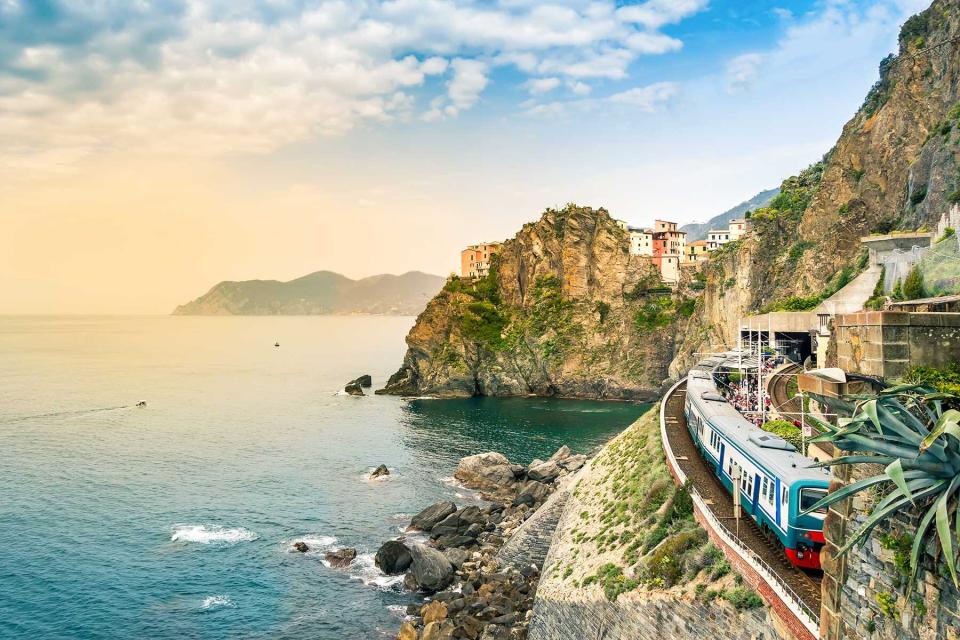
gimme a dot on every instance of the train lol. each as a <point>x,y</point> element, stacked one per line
<point>777,482</point>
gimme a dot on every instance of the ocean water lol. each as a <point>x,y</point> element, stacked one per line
<point>176,520</point>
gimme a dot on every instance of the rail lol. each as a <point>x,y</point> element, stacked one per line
<point>809,618</point>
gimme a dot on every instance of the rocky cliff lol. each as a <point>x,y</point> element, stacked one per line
<point>894,167</point>
<point>319,293</point>
<point>565,311</point>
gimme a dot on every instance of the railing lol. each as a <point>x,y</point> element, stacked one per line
<point>807,616</point>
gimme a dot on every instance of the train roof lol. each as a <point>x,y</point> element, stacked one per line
<point>775,453</point>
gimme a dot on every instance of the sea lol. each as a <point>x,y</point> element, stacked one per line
<point>176,519</point>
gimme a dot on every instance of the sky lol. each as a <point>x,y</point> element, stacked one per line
<point>149,149</point>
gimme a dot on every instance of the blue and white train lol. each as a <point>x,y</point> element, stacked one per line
<point>776,481</point>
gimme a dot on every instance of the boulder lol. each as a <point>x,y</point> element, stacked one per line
<point>301,546</point>
<point>393,557</point>
<point>532,492</point>
<point>456,557</point>
<point>380,471</point>
<point>407,632</point>
<point>353,388</point>
<point>364,381</point>
<point>573,463</point>
<point>458,522</point>
<point>546,472</point>
<point>430,569</point>
<point>434,611</point>
<point>340,558</point>
<point>438,631</point>
<point>454,540</point>
<point>562,454</point>
<point>485,471</point>
<point>429,517</point>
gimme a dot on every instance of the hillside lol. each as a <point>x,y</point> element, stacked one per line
<point>320,293</point>
<point>698,230</point>
<point>895,167</point>
<point>566,311</point>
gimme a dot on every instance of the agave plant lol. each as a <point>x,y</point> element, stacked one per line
<point>911,431</point>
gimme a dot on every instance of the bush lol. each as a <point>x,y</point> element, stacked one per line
<point>742,598</point>
<point>786,430</point>
<point>949,232</point>
<point>666,563</point>
<point>798,249</point>
<point>918,195</point>
<point>946,380</point>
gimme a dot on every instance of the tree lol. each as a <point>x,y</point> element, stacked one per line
<point>897,293</point>
<point>913,285</point>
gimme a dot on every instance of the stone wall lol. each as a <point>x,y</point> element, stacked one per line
<point>657,617</point>
<point>866,592</point>
<point>888,343</point>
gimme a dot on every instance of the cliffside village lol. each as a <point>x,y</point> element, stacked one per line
<point>664,244</point>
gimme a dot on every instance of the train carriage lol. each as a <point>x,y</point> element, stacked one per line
<point>776,481</point>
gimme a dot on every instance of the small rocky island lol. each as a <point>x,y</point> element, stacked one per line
<point>480,565</point>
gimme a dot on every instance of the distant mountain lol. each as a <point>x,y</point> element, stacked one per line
<point>698,230</point>
<point>320,293</point>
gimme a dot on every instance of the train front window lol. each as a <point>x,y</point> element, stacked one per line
<point>810,497</point>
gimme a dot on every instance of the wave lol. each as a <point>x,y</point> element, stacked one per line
<point>315,543</point>
<point>211,602</point>
<point>364,570</point>
<point>211,534</point>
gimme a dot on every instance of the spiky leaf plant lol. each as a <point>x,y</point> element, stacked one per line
<point>911,431</point>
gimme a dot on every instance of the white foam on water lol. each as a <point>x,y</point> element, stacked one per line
<point>364,570</point>
<point>315,543</point>
<point>211,602</point>
<point>210,534</point>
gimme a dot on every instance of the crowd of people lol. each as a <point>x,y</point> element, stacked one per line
<point>739,388</point>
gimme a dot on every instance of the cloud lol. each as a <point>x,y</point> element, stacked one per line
<point>536,86</point>
<point>647,98</point>
<point>742,71</point>
<point>247,76</point>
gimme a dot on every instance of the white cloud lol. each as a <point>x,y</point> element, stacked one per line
<point>742,71</point>
<point>647,98</point>
<point>536,86</point>
<point>217,77</point>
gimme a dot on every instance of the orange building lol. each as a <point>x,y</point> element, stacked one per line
<point>475,259</point>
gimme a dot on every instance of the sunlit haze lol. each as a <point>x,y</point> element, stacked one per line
<point>151,149</point>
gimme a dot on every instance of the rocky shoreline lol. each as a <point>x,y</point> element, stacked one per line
<point>469,593</point>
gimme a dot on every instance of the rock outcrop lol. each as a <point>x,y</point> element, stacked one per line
<point>393,557</point>
<point>894,167</point>
<point>566,311</point>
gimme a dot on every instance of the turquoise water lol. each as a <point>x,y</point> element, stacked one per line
<point>175,520</point>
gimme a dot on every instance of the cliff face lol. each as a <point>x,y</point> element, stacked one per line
<point>566,311</point>
<point>894,167</point>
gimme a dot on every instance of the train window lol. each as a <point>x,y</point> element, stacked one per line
<point>783,496</point>
<point>763,489</point>
<point>810,497</point>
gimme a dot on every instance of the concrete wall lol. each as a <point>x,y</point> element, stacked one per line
<point>857,586</point>
<point>888,343</point>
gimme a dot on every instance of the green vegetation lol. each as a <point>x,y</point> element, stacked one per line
<point>945,380</point>
<point>806,303</point>
<point>877,299</point>
<point>949,232</point>
<point>880,91</point>
<point>913,286</point>
<point>798,249</point>
<point>909,429</point>
<point>900,545</point>
<point>888,605</point>
<point>602,309</point>
<point>786,430</point>
<point>795,194</point>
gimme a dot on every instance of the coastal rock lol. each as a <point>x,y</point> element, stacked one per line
<point>340,558</point>
<point>456,557</point>
<point>380,471</point>
<point>393,557</point>
<point>434,611</point>
<point>489,470</point>
<point>430,569</point>
<point>546,472</point>
<point>438,631</point>
<point>429,517</point>
<point>532,492</point>
<point>364,381</point>
<point>301,546</point>
<point>458,522</point>
<point>573,463</point>
<point>562,454</point>
<point>354,389</point>
<point>407,632</point>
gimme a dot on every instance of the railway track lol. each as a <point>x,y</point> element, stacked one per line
<point>806,584</point>
<point>788,408</point>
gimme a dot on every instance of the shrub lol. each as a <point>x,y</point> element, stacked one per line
<point>918,195</point>
<point>786,430</point>
<point>944,380</point>
<point>798,249</point>
<point>742,598</point>
<point>949,232</point>
<point>602,309</point>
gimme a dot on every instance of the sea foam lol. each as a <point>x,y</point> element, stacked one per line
<point>365,570</point>
<point>211,602</point>
<point>210,534</point>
